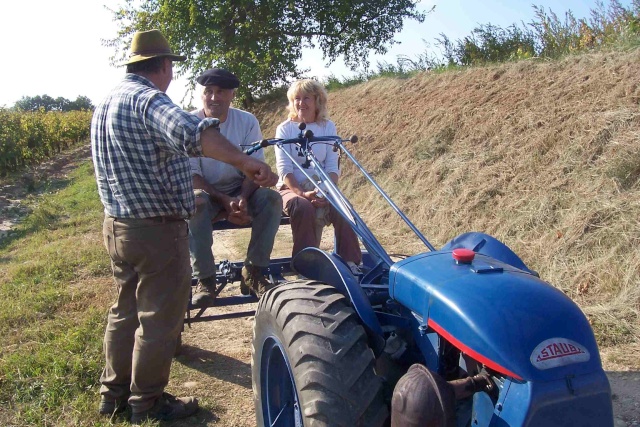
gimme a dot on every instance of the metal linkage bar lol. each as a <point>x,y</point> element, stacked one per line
<point>337,199</point>
<point>222,316</point>
<point>386,197</point>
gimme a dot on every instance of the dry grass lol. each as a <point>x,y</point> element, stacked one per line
<point>542,155</point>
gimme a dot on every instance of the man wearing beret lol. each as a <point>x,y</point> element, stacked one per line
<point>222,191</point>
<point>140,144</point>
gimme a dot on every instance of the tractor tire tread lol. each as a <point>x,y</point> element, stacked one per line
<point>333,365</point>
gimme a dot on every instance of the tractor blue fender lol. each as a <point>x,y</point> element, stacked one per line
<point>504,317</point>
<point>316,264</point>
<point>487,245</point>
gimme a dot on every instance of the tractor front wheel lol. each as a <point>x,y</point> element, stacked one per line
<point>311,363</point>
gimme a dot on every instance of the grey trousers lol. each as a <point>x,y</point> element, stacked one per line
<point>150,262</point>
<point>265,207</point>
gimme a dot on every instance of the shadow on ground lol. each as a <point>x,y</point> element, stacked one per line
<point>625,394</point>
<point>216,365</point>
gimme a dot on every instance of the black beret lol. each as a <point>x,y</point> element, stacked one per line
<point>218,77</point>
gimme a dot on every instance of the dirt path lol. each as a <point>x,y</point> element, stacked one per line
<point>47,176</point>
<point>215,364</point>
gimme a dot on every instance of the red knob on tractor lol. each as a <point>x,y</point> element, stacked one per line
<point>463,256</point>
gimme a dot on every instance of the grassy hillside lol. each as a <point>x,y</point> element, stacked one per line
<point>545,156</point>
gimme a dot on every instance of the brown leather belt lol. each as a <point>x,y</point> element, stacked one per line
<point>160,219</point>
<point>163,219</point>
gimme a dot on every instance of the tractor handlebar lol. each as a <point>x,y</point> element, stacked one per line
<point>305,140</point>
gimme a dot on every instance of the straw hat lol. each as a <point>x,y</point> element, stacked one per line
<point>149,44</point>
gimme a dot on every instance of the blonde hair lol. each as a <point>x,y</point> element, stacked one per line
<point>308,87</point>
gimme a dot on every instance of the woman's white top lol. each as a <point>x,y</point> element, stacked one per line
<point>322,151</point>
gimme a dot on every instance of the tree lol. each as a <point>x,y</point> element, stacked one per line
<point>81,103</point>
<point>35,103</point>
<point>47,103</point>
<point>261,40</point>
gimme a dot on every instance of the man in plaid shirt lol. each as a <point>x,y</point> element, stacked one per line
<point>141,143</point>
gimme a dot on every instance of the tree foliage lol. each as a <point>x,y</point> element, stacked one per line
<point>546,36</point>
<point>489,43</point>
<point>262,40</point>
<point>47,103</point>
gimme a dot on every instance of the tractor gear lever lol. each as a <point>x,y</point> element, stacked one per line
<point>302,126</point>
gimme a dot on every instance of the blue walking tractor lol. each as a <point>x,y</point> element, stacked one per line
<point>464,335</point>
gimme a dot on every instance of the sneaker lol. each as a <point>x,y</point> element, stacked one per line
<point>167,408</point>
<point>355,268</point>
<point>109,408</point>
<point>254,281</point>
<point>205,293</point>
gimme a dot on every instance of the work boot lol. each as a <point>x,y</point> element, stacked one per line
<point>254,281</point>
<point>205,293</point>
<point>167,408</point>
<point>356,269</point>
<point>109,408</point>
<point>244,289</point>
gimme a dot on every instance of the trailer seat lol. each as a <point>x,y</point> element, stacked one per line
<point>220,223</point>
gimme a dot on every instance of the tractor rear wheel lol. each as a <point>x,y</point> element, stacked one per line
<point>311,363</point>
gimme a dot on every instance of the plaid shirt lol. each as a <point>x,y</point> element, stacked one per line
<point>140,144</point>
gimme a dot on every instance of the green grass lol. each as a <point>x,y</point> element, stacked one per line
<point>53,278</point>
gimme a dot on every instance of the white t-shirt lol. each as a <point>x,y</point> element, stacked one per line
<point>242,129</point>
<point>323,152</point>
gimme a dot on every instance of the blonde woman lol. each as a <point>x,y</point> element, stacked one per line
<point>308,104</point>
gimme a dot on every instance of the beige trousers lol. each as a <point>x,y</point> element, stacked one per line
<point>150,262</point>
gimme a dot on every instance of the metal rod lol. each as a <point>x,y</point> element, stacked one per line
<point>339,201</point>
<point>386,197</point>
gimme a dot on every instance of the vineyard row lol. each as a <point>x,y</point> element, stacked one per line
<point>27,138</point>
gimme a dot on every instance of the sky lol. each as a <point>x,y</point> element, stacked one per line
<point>54,47</point>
